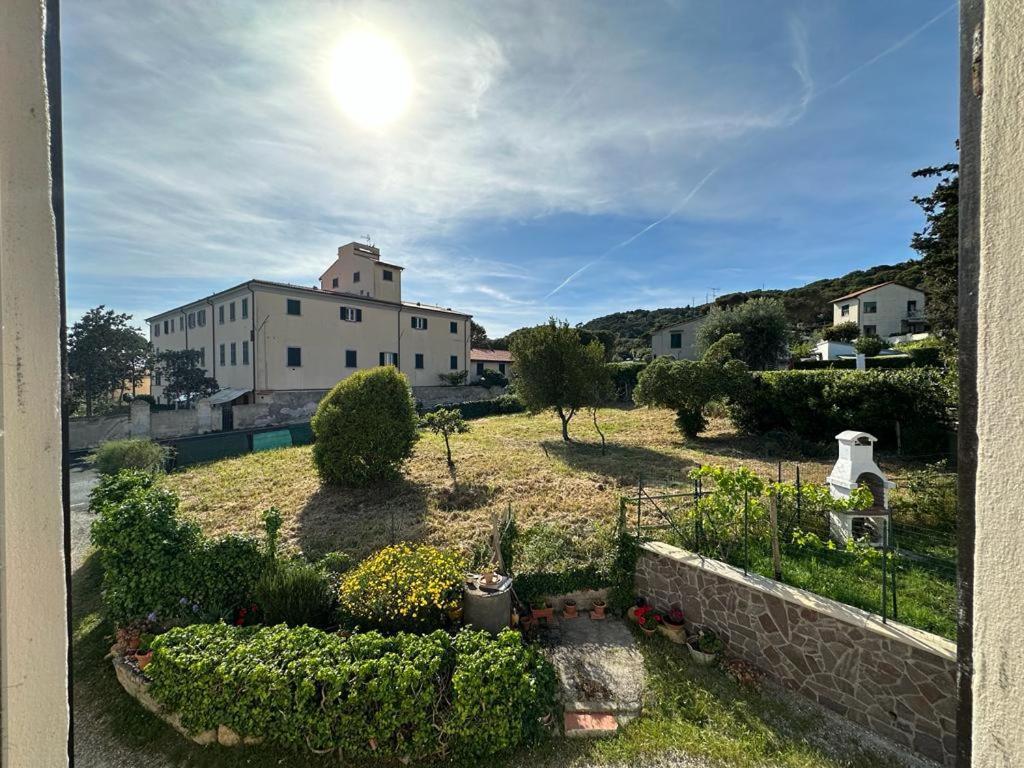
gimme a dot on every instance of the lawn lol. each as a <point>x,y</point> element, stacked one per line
<point>515,460</point>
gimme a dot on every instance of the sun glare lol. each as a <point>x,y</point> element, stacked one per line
<point>371,79</point>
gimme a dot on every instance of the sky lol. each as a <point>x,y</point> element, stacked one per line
<point>566,159</point>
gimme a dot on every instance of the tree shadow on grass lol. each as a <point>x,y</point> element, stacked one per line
<point>359,521</point>
<point>625,463</point>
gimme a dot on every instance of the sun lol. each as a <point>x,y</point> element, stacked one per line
<point>371,79</point>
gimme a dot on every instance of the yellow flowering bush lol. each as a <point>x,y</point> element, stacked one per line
<point>403,587</point>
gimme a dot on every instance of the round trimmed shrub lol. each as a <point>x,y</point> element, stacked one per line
<point>365,428</point>
<point>133,453</point>
<point>403,587</point>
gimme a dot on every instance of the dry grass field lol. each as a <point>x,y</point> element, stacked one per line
<point>516,460</point>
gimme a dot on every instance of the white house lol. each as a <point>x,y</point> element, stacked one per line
<point>886,309</point>
<point>481,360</point>
<point>678,340</point>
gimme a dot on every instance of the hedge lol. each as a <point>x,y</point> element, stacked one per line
<point>817,405</point>
<point>477,409</point>
<point>366,696</point>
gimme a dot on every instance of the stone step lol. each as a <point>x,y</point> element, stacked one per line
<point>590,724</point>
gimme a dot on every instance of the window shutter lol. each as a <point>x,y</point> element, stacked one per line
<point>382,358</point>
<point>424,323</point>
<point>413,321</point>
<point>359,315</point>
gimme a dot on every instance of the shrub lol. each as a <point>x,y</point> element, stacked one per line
<point>113,489</point>
<point>847,331</point>
<point>624,376</point>
<point>134,453</point>
<point>365,428</point>
<point>869,346</point>
<point>492,378</point>
<point>817,405</point>
<point>477,409</point>
<point>295,593</point>
<point>365,697</point>
<point>453,379</point>
<point>403,587</point>
<point>335,563</point>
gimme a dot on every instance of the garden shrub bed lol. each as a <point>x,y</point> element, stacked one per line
<point>365,696</point>
<point>478,409</point>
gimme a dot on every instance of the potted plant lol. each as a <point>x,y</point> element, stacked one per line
<point>541,610</point>
<point>144,654</point>
<point>705,647</point>
<point>672,626</point>
<point>569,609</point>
<point>598,608</point>
<point>127,639</point>
<point>649,622</point>
<point>632,612</point>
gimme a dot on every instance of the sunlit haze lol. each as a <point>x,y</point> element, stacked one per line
<point>371,79</point>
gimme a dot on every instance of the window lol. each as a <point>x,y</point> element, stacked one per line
<point>676,340</point>
<point>479,369</point>
<point>181,323</point>
<point>870,330</point>
<point>156,330</point>
<point>220,314</point>
<point>334,282</point>
<point>389,358</point>
<point>234,353</point>
<point>870,307</point>
<point>419,360</point>
<point>294,357</point>
<point>201,317</point>
<point>245,353</point>
<point>355,277</point>
<point>294,307</point>
<point>191,319</point>
<point>501,368</point>
<point>454,362</point>
<point>912,307</point>
<point>350,358</point>
<point>231,311</point>
<point>453,327</point>
<point>158,378</point>
<point>351,314</point>
<point>222,354</point>
<point>388,276</point>
<point>202,356</point>
<point>844,310</point>
<point>419,323</point>
<point>245,308</point>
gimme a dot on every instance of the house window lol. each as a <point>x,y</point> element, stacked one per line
<point>294,357</point>
<point>220,314</point>
<point>388,276</point>
<point>350,358</point>
<point>231,311</point>
<point>501,368</point>
<point>294,307</point>
<point>453,327</point>
<point>234,353</point>
<point>166,327</point>
<point>156,330</point>
<point>181,323</point>
<point>419,360</point>
<point>334,282</point>
<point>870,307</point>
<point>389,358</point>
<point>191,319</point>
<point>158,378</point>
<point>454,362</point>
<point>222,354</point>
<point>355,277</point>
<point>419,323</point>
<point>870,330</point>
<point>245,308</point>
<point>844,311</point>
<point>912,307</point>
<point>479,369</point>
<point>351,314</point>
<point>245,353</point>
<point>202,356</point>
<point>676,340</point>
<point>201,317</point>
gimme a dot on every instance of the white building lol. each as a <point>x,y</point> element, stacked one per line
<point>678,340</point>
<point>887,309</point>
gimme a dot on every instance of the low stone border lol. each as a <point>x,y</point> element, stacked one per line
<point>137,685</point>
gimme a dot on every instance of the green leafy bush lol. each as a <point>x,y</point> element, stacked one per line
<point>366,696</point>
<point>156,563</point>
<point>624,376</point>
<point>295,593</point>
<point>365,428</point>
<point>335,563</point>
<point>847,331</point>
<point>133,453</point>
<point>478,409</point>
<point>492,378</point>
<point>818,405</point>
<point>849,363</point>
<point>403,587</point>
<point>869,345</point>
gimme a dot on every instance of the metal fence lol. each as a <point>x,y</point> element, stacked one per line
<point>919,533</point>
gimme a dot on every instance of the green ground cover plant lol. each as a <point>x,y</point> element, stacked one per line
<point>133,453</point>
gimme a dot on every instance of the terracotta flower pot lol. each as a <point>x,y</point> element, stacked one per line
<point>597,610</point>
<point>569,610</point>
<point>674,632</point>
<point>142,658</point>
<point>547,612</point>
<point>649,630</point>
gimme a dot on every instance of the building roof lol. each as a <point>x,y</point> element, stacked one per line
<point>681,323</point>
<point>490,355</point>
<point>855,294</point>
<point>227,394</point>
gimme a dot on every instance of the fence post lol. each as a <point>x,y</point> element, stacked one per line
<point>799,496</point>
<point>892,548</point>
<point>773,510</point>
<point>746,531</point>
<point>696,515</point>
<point>885,579</point>
<point>639,496</point>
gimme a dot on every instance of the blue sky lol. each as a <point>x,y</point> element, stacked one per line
<point>769,144</point>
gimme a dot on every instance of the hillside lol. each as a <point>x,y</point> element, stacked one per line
<point>808,306</point>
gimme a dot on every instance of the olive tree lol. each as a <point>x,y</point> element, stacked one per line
<point>445,422</point>
<point>762,326</point>
<point>687,386</point>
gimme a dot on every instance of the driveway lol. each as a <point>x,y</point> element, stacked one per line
<point>83,479</point>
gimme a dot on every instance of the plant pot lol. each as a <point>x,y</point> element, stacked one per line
<point>674,632</point>
<point>701,658</point>
<point>143,659</point>
<point>649,630</point>
<point>597,610</point>
<point>547,612</point>
<point>525,622</point>
<point>569,610</point>
<point>631,613</point>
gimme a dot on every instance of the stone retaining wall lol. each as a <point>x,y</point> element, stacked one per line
<point>428,397</point>
<point>895,680</point>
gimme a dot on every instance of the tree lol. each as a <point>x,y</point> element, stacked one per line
<point>870,345</point>
<point>478,336</point>
<point>182,376</point>
<point>847,331</point>
<point>445,422</point>
<point>762,326</point>
<point>938,244</point>
<point>104,353</point>
<point>688,386</point>
<point>555,370</point>
<point>365,427</point>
